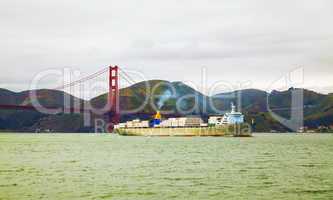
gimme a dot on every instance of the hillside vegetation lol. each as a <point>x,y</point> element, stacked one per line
<point>166,96</point>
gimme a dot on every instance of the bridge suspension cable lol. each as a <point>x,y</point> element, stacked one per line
<point>138,93</point>
<point>87,78</point>
<point>127,77</point>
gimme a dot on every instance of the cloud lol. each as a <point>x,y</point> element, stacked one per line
<point>257,41</point>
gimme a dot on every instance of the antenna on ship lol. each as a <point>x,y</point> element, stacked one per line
<point>233,107</point>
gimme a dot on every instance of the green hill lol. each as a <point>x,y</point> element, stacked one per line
<point>137,97</point>
<point>26,120</point>
<point>167,96</point>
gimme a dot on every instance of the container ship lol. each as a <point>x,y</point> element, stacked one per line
<point>229,124</point>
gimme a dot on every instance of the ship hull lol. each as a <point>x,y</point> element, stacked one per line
<point>221,131</point>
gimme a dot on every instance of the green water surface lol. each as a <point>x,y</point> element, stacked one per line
<point>79,166</point>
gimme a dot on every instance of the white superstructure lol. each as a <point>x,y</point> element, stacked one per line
<point>232,117</point>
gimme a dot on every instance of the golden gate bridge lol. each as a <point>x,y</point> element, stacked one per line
<point>113,110</point>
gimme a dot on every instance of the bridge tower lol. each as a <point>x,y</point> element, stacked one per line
<point>113,98</point>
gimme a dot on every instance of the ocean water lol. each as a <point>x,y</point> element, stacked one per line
<point>78,166</point>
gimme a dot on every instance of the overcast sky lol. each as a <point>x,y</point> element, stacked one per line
<point>254,41</point>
